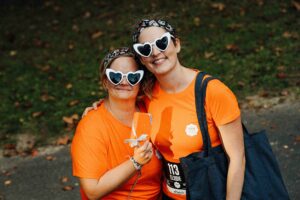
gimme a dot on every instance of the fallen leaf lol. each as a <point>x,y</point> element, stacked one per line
<point>46,68</point>
<point>96,35</point>
<point>46,97</point>
<point>73,102</point>
<point>37,114</point>
<point>34,152</point>
<point>281,68</point>
<point>9,146</point>
<point>68,188</point>
<point>208,55</point>
<point>281,75</point>
<point>69,86</point>
<point>71,119</point>
<point>284,93</point>
<point>287,34</point>
<point>264,94</point>
<point>232,47</point>
<point>64,179</point>
<point>87,15</point>
<point>71,46</point>
<point>109,22</point>
<point>296,5</point>
<point>218,6</point>
<point>9,152</point>
<point>57,8</point>
<point>50,158</point>
<point>17,104</point>
<point>5,173</point>
<point>7,182</point>
<point>63,140</point>
<point>260,2</point>
<point>75,28</point>
<point>241,84</point>
<point>197,21</point>
<point>13,53</point>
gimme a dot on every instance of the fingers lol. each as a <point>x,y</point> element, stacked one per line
<point>86,111</point>
<point>94,107</point>
<point>97,103</point>
<point>143,154</point>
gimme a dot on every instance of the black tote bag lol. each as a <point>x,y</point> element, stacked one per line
<point>206,172</point>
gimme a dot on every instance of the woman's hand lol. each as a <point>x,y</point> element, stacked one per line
<point>94,106</point>
<point>143,154</point>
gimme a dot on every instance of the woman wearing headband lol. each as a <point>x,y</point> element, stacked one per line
<point>108,168</point>
<point>175,130</point>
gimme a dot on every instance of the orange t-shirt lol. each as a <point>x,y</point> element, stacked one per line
<point>98,146</point>
<point>175,128</point>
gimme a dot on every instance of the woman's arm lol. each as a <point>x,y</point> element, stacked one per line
<point>233,142</point>
<point>114,178</point>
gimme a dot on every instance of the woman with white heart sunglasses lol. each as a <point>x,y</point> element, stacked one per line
<point>161,44</point>
<point>108,168</point>
<point>116,77</point>
<point>175,130</point>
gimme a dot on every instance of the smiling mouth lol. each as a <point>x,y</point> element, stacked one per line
<point>158,61</point>
<point>123,88</point>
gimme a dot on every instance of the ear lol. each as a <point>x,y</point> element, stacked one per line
<point>177,45</point>
<point>142,60</point>
<point>104,84</point>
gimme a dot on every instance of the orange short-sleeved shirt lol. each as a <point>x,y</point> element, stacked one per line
<point>175,129</point>
<point>98,146</point>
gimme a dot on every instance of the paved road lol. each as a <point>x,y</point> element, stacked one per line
<point>40,179</point>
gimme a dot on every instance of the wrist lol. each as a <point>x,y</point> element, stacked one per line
<point>136,165</point>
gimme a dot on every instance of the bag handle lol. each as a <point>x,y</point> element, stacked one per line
<point>200,94</point>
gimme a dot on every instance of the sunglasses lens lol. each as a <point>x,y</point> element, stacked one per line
<point>162,43</point>
<point>115,77</point>
<point>145,49</point>
<point>133,78</point>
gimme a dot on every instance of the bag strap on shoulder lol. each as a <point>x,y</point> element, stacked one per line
<point>200,94</point>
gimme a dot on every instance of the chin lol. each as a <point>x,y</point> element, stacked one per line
<point>126,96</point>
<point>161,70</point>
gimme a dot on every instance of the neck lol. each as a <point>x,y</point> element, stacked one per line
<point>176,80</point>
<point>122,110</point>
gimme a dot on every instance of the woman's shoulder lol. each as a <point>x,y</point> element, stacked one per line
<point>216,86</point>
<point>93,119</point>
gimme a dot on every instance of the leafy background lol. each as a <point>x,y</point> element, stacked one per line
<point>50,52</point>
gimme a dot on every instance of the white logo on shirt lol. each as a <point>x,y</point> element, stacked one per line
<point>191,130</point>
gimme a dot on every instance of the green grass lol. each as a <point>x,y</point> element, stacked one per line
<point>48,58</point>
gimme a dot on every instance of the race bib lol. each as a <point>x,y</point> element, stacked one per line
<point>174,178</point>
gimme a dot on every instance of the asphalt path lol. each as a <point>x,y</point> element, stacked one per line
<point>49,176</point>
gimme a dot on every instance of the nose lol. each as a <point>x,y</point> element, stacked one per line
<point>155,50</point>
<point>124,81</point>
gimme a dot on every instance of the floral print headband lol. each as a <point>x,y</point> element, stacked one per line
<point>145,23</point>
<point>123,51</point>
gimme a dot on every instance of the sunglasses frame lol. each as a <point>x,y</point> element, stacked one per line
<point>166,34</point>
<point>108,70</point>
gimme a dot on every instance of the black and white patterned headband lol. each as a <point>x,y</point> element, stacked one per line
<point>123,51</point>
<point>145,23</point>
